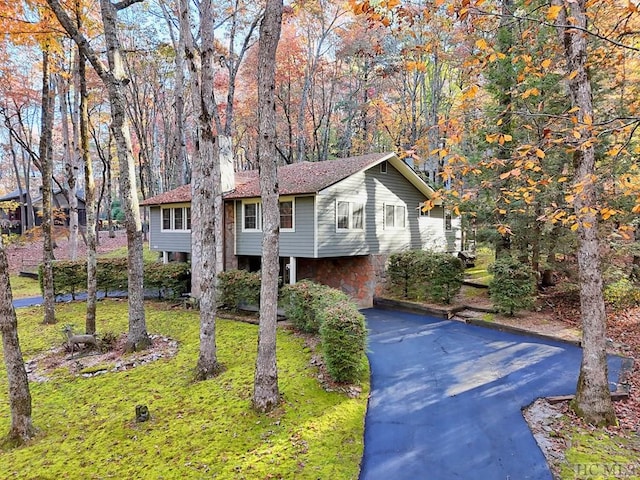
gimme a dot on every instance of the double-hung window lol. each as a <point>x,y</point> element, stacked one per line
<point>252,216</point>
<point>349,215</point>
<point>176,218</point>
<point>394,217</point>
<point>287,216</point>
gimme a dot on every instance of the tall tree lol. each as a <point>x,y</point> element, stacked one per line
<point>21,428</point>
<point>593,398</point>
<point>46,168</point>
<point>206,195</point>
<point>266,394</point>
<point>115,81</point>
<point>90,186</point>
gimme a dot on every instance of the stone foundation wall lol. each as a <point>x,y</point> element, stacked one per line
<point>230,259</point>
<point>359,277</point>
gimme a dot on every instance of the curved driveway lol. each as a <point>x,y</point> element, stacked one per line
<point>446,399</point>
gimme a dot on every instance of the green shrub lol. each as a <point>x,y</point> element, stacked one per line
<point>70,277</point>
<point>513,285</point>
<point>171,279</point>
<point>236,287</point>
<point>622,294</point>
<point>305,301</point>
<point>406,274</point>
<point>444,277</point>
<point>421,275</point>
<point>112,274</point>
<point>343,337</point>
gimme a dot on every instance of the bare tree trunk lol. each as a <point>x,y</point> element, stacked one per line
<point>266,394</point>
<point>21,428</point>
<point>47,172</point>
<point>206,198</point>
<point>593,398</point>
<point>90,191</point>
<point>70,167</point>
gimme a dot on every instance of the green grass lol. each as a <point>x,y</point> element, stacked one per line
<point>23,287</point>
<point>598,455</point>
<point>484,257</point>
<point>197,430</point>
<point>148,255</point>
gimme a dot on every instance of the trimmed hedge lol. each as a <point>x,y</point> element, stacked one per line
<point>171,279</point>
<point>513,285</point>
<point>343,337</point>
<point>424,275</point>
<point>305,301</point>
<point>236,287</point>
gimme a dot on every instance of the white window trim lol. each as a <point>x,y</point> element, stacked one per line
<point>293,214</point>
<point>395,216</point>
<point>258,215</point>
<point>172,218</point>
<point>351,204</point>
<point>384,167</point>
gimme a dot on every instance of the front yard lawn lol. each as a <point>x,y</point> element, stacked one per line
<point>87,427</point>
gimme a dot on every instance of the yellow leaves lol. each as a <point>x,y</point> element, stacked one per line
<point>416,66</point>
<point>546,63</point>
<point>501,138</point>
<point>572,75</point>
<point>574,227</point>
<point>482,44</point>
<point>587,119</point>
<point>471,92</point>
<point>531,92</point>
<point>562,179</point>
<point>607,213</point>
<point>553,12</point>
<point>504,230</point>
<point>574,109</point>
<point>540,153</point>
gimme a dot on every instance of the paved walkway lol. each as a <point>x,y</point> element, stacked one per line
<point>446,399</point>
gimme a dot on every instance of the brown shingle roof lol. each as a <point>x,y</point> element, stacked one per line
<point>294,179</point>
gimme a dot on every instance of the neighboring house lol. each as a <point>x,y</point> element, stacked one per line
<point>14,221</point>
<point>11,220</point>
<point>340,220</point>
<point>59,201</point>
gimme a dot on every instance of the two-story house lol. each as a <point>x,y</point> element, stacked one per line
<point>339,221</point>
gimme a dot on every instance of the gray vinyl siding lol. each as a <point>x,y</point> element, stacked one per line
<point>166,241</point>
<point>376,190</point>
<point>298,243</point>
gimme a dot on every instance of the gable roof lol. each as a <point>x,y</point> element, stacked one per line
<point>17,194</point>
<point>301,178</point>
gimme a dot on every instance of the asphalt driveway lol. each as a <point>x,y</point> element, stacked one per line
<point>446,399</point>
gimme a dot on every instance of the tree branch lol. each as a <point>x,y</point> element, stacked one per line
<point>555,25</point>
<point>83,44</point>
<point>125,3</point>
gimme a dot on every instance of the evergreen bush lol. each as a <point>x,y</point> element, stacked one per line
<point>237,287</point>
<point>513,285</point>
<point>444,277</point>
<point>304,302</point>
<point>343,337</point>
<point>424,275</point>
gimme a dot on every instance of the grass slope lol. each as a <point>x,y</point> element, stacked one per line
<point>197,430</point>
